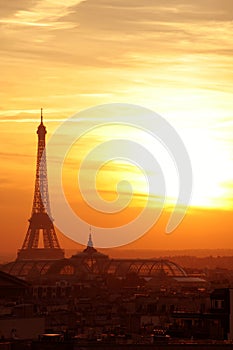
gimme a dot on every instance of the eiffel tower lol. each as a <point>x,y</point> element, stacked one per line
<point>41,228</point>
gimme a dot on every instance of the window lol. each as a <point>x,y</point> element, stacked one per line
<point>67,270</point>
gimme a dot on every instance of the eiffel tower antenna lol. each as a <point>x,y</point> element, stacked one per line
<point>41,115</point>
<point>40,223</point>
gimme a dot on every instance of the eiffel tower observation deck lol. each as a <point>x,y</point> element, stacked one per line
<point>41,228</point>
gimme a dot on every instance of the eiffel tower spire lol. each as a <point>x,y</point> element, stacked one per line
<point>40,223</point>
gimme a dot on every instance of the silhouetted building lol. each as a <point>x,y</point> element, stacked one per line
<point>12,287</point>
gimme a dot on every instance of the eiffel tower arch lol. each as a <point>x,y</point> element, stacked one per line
<point>41,226</point>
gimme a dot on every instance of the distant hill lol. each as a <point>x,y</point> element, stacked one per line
<point>190,258</point>
<point>156,253</point>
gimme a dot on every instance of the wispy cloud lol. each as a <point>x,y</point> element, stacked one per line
<point>38,13</point>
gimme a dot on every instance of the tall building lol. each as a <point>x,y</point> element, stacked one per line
<point>41,228</point>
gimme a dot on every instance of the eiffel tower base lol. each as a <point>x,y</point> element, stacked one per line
<point>40,254</point>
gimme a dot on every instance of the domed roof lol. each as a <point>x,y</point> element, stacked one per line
<point>67,267</point>
<point>145,268</point>
<point>167,268</point>
<point>27,269</point>
<point>89,252</point>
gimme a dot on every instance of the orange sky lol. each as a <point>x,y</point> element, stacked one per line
<point>172,56</point>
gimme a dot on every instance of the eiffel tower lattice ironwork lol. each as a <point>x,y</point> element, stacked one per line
<point>41,226</point>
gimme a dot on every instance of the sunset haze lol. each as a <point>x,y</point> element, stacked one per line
<point>173,57</point>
